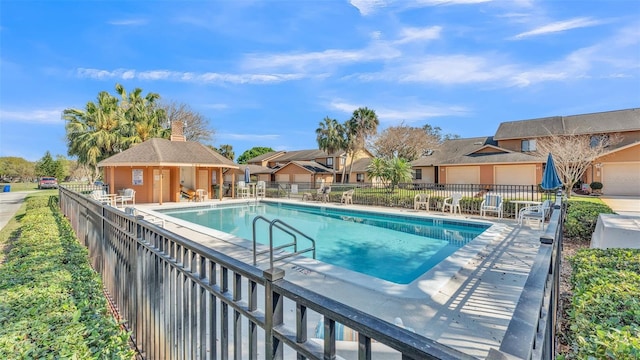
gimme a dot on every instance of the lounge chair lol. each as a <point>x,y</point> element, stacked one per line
<point>128,196</point>
<point>453,203</point>
<point>537,213</point>
<point>491,203</point>
<point>347,197</point>
<point>421,201</point>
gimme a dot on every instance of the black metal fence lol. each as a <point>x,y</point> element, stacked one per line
<point>182,300</point>
<point>403,195</point>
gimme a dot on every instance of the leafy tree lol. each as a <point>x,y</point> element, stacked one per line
<point>12,168</point>
<point>196,126</point>
<point>390,171</point>
<point>331,137</point>
<point>404,142</point>
<point>226,150</point>
<point>46,166</point>
<point>573,154</point>
<point>253,152</point>
<point>362,125</point>
<point>110,125</point>
<point>437,132</point>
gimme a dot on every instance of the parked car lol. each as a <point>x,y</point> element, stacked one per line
<point>47,183</point>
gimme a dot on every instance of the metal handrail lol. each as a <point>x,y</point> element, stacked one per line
<point>288,229</point>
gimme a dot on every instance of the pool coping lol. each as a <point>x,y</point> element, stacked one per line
<point>424,286</point>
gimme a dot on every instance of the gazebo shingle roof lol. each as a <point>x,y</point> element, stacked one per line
<point>156,152</point>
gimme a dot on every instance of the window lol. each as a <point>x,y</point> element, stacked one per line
<point>418,174</point>
<point>330,162</point>
<point>360,177</point>
<point>528,145</point>
<point>342,160</point>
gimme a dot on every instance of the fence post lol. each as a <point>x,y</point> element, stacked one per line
<point>273,314</point>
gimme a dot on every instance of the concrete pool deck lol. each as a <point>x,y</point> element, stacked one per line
<point>466,304</point>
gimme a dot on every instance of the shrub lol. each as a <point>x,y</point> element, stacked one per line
<point>582,217</point>
<point>596,185</point>
<point>52,302</point>
<point>604,315</point>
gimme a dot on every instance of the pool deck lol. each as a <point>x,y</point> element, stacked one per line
<point>465,303</point>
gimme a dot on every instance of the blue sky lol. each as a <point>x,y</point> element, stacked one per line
<point>265,73</point>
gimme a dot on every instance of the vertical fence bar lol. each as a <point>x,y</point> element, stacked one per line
<point>273,314</point>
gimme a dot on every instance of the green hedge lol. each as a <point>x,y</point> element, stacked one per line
<point>582,217</point>
<point>605,310</point>
<point>51,301</point>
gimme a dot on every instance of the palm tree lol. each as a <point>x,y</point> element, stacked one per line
<point>143,118</point>
<point>392,171</point>
<point>362,125</point>
<point>93,134</point>
<point>330,137</point>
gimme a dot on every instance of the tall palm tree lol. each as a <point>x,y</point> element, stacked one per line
<point>142,119</point>
<point>362,125</point>
<point>92,134</point>
<point>330,138</point>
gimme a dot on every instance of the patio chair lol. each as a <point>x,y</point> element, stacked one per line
<point>243,190</point>
<point>261,189</point>
<point>188,194</point>
<point>491,203</point>
<point>324,197</point>
<point>102,197</point>
<point>128,196</point>
<point>453,203</point>
<point>201,195</point>
<point>537,213</point>
<point>421,201</point>
<point>347,197</point>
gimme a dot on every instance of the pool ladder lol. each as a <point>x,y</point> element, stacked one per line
<point>281,225</point>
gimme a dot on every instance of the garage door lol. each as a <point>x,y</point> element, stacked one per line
<point>463,175</point>
<point>282,178</point>
<point>515,175</point>
<point>621,179</point>
<point>302,178</point>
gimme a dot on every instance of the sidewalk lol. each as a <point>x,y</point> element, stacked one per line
<point>623,205</point>
<point>10,202</point>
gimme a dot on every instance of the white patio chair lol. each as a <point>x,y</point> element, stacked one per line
<point>102,197</point>
<point>347,197</point>
<point>261,189</point>
<point>201,195</point>
<point>421,201</point>
<point>453,203</point>
<point>128,196</point>
<point>491,203</point>
<point>243,190</point>
<point>537,213</point>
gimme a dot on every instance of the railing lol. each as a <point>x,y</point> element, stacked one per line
<point>403,194</point>
<point>531,334</point>
<point>286,228</point>
<point>182,300</point>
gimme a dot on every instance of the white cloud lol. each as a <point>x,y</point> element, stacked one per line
<point>52,116</point>
<point>405,113</point>
<point>449,2</point>
<point>367,7</point>
<point>559,26</point>
<point>202,78</point>
<point>411,34</point>
<point>128,22</point>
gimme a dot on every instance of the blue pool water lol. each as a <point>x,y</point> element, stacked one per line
<point>394,248</point>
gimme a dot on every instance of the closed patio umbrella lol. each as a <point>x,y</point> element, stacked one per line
<point>247,175</point>
<point>550,178</point>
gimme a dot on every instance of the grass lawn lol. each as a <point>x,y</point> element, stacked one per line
<point>591,199</point>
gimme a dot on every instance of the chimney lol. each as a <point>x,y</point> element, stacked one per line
<point>177,131</point>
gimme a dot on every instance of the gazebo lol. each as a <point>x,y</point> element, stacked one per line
<point>160,170</point>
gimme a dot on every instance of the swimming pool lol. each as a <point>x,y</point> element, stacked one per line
<point>395,248</point>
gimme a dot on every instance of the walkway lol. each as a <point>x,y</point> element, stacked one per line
<point>10,202</point>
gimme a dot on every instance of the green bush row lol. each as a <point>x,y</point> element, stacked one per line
<point>582,217</point>
<point>51,300</point>
<point>605,308</point>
